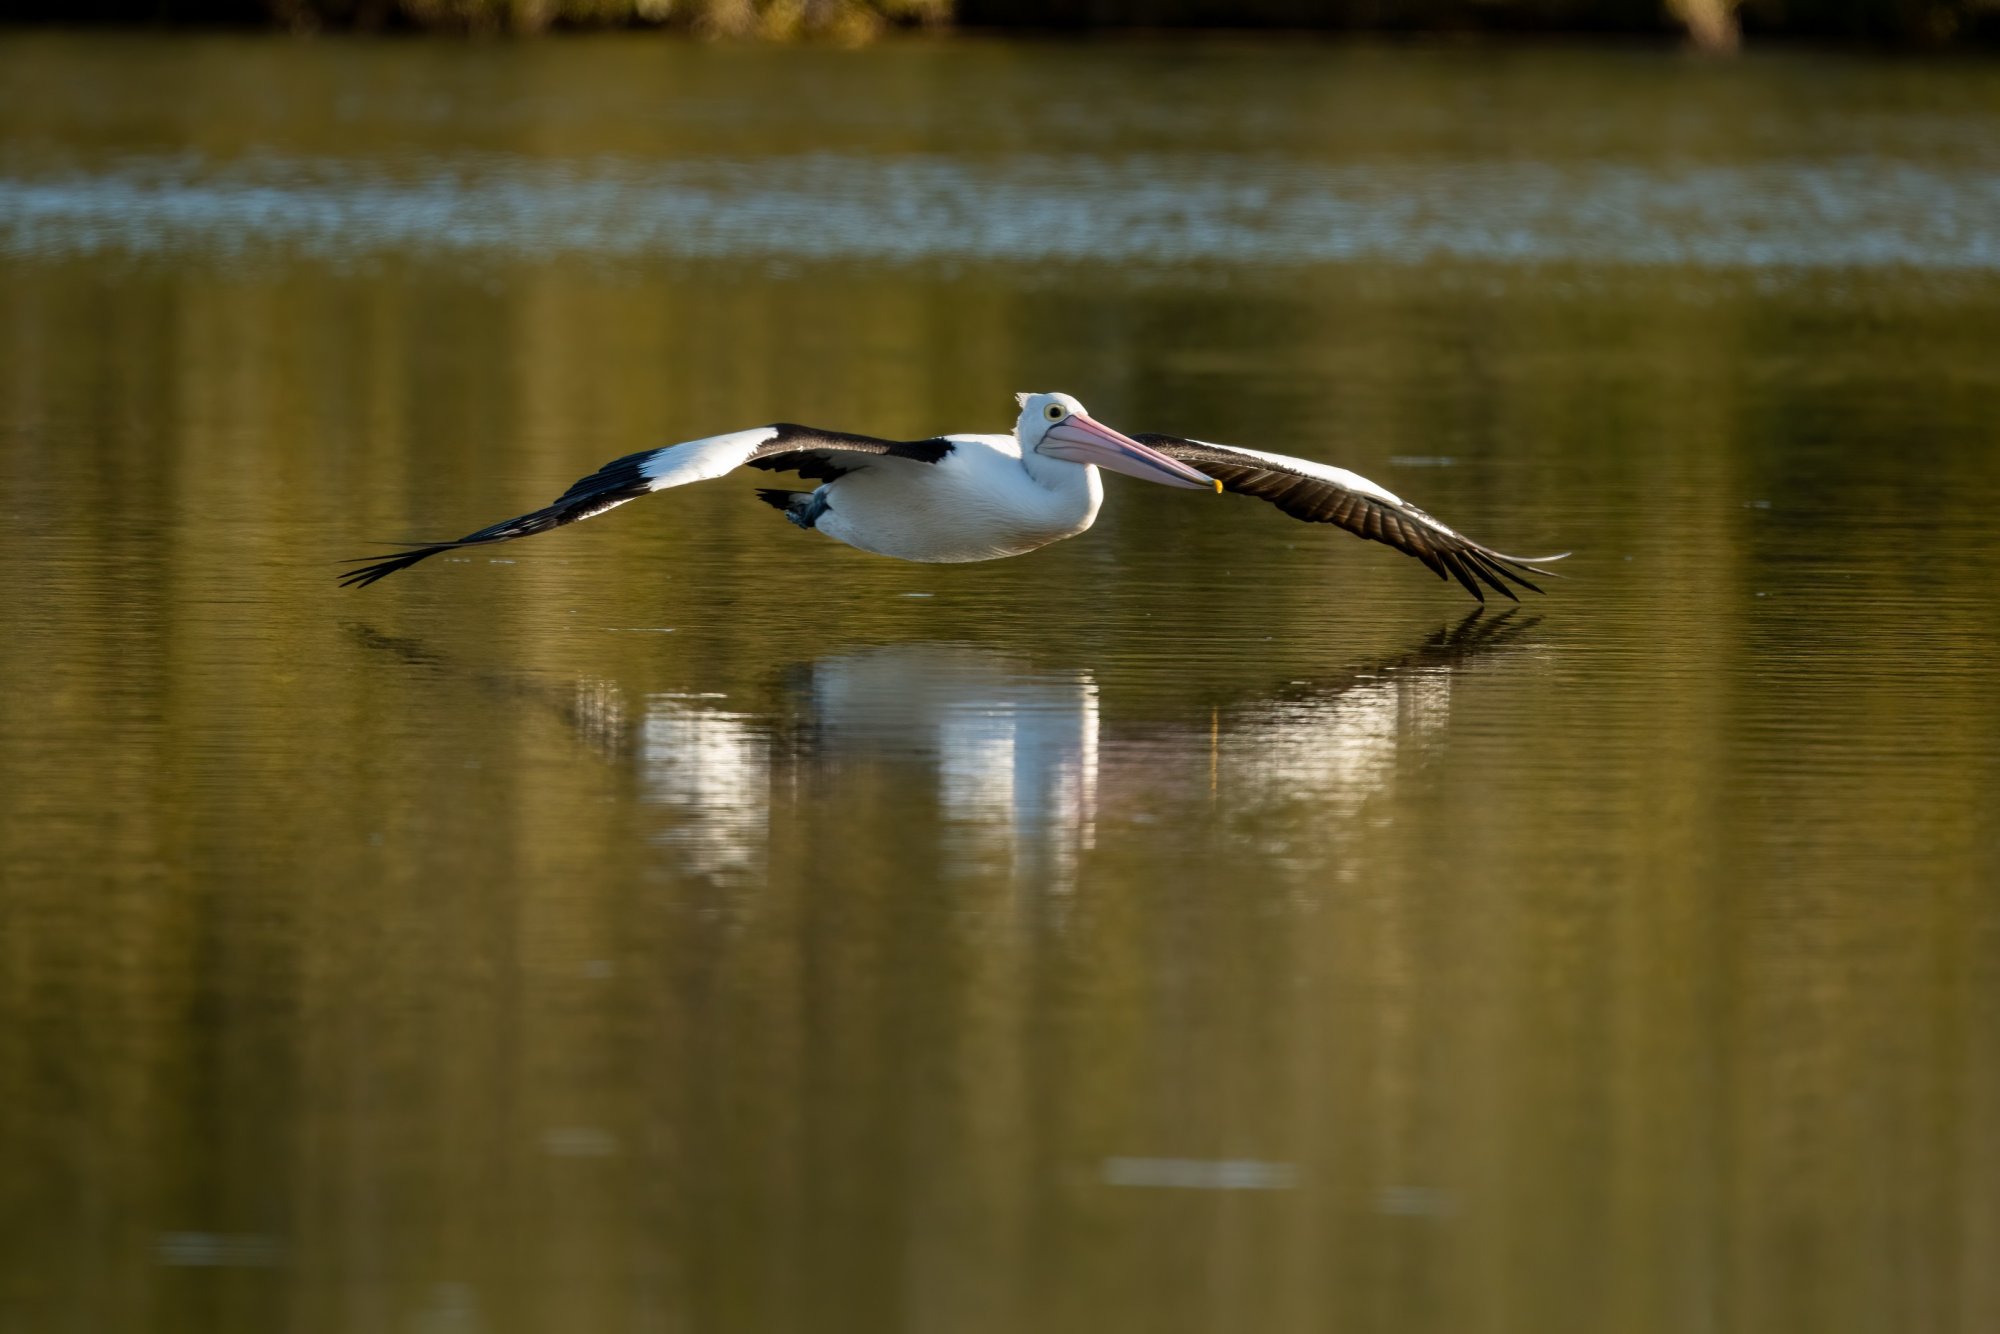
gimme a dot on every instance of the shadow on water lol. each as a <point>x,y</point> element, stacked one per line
<point>1018,762</point>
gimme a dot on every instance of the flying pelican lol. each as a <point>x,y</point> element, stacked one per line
<point>980,497</point>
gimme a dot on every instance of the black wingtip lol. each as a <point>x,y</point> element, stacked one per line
<point>383,567</point>
<point>1487,564</point>
<point>1459,566</point>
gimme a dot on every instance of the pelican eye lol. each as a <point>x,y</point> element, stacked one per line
<point>1054,412</point>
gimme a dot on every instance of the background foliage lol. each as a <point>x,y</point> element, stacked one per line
<point>1711,22</point>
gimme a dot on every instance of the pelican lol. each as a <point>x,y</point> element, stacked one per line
<point>955,498</point>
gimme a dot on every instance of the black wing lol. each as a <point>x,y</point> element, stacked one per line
<point>1320,493</point>
<point>784,447</point>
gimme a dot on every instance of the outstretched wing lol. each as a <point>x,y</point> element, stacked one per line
<point>785,447</point>
<point>1319,493</point>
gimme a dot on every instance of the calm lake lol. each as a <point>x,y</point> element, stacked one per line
<point>685,923</point>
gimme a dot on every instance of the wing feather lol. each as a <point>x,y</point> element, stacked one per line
<point>784,447</point>
<point>1320,493</point>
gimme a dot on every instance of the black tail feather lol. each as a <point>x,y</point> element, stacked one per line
<point>782,500</point>
<point>801,507</point>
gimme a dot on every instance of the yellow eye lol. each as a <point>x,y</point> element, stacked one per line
<point>1054,411</point>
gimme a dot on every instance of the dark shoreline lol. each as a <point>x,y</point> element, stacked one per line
<point>1904,25</point>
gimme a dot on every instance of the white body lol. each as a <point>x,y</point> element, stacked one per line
<point>979,502</point>
<point>990,496</point>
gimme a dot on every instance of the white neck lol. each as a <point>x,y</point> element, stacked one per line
<point>1076,487</point>
<point>1058,475</point>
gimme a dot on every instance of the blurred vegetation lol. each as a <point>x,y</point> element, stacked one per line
<point>1874,20</point>
<point>1711,23</point>
<point>771,20</point>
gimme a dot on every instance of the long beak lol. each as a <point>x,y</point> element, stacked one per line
<point>1081,440</point>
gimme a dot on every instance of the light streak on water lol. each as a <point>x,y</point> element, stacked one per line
<point>1200,1173</point>
<point>219,1250</point>
<point>1860,212</point>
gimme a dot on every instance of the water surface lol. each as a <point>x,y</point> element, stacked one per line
<point>683,922</point>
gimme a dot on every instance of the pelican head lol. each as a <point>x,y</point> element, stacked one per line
<point>1056,426</point>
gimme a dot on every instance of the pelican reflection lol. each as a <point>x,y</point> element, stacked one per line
<point>711,766</point>
<point>1013,751</point>
<point>1017,760</point>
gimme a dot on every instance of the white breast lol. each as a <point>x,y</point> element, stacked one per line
<point>977,503</point>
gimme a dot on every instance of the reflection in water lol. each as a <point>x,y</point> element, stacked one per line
<point>714,767</point>
<point>1020,762</point>
<point>1014,751</point>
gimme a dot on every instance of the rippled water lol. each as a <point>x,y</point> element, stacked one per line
<point>997,153</point>
<point>681,921</point>
<point>1212,208</point>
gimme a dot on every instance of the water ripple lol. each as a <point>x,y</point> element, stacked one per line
<point>1861,212</point>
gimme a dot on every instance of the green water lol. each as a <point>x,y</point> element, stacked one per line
<point>682,922</point>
